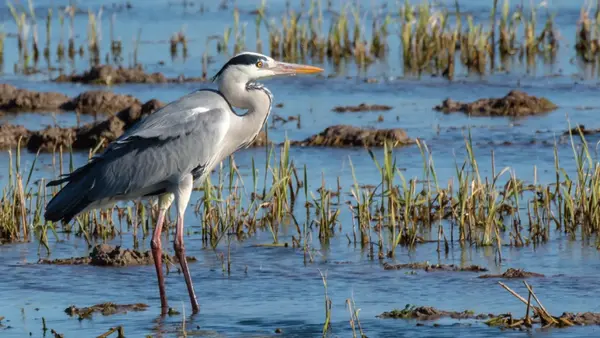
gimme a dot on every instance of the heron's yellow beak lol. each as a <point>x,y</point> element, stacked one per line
<point>293,68</point>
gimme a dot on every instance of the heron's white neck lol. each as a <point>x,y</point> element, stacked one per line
<point>247,95</point>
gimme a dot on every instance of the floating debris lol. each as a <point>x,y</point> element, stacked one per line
<point>430,313</point>
<point>361,108</point>
<point>350,136</point>
<point>584,131</point>
<point>106,309</point>
<point>107,255</point>
<point>514,273</point>
<point>433,267</point>
<point>515,103</point>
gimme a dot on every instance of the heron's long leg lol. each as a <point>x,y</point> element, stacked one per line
<point>163,203</point>
<point>182,197</point>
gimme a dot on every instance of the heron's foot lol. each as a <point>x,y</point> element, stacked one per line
<point>195,307</point>
<point>164,309</point>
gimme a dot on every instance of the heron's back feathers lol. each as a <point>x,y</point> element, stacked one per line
<point>182,137</point>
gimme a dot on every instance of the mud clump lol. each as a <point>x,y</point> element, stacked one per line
<point>13,99</point>
<point>102,102</point>
<point>514,273</point>
<point>434,267</point>
<point>10,135</point>
<point>430,313</point>
<point>106,309</point>
<point>108,75</point>
<point>515,103</point>
<point>361,108</point>
<point>350,136</point>
<point>585,318</point>
<point>107,255</point>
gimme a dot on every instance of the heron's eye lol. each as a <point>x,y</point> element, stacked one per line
<point>259,64</point>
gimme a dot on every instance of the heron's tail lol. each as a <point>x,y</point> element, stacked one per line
<point>70,200</point>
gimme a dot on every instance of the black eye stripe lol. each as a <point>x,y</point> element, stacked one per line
<point>246,59</point>
<point>242,59</point>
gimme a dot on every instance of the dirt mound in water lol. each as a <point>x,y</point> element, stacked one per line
<point>102,102</point>
<point>430,313</point>
<point>433,267</point>
<point>585,318</point>
<point>514,273</point>
<point>108,255</point>
<point>361,108</point>
<point>13,99</point>
<point>10,135</point>
<point>515,103</point>
<point>106,309</point>
<point>350,136</point>
<point>107,75</point>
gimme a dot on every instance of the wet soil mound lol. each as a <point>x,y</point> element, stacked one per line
<point>102,102</point>
<point>514,273</point>
<point>585,318</point>
<point>106,309</point>
<point>515,103</point>
<point>10,135</point>
<point>361,108</point>
<point>107,255</point>
<point>430,313</point>
<point>350,136</point>
<point>433,267</point>
<point>13,99</point>
<point>107,75</point>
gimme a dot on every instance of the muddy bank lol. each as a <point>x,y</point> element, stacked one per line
<point>513,273</point>
<point>108,75</point>
<point>430,313</point>
<point>361,108</point>
<point>102,102</point>
<point>350,136</point>
<point>515,103</point>
<point>14,99</point>
<point>107,255</point>
<point>106,309</point>
<point>433,267</point>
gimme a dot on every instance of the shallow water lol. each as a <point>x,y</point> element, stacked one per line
<point>271,288</point>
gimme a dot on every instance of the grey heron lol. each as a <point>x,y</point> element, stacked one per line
<point>165,154</point>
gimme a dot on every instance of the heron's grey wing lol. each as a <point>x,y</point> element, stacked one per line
<point>182,137</point>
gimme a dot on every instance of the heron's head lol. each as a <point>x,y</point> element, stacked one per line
<point>247,67</point>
